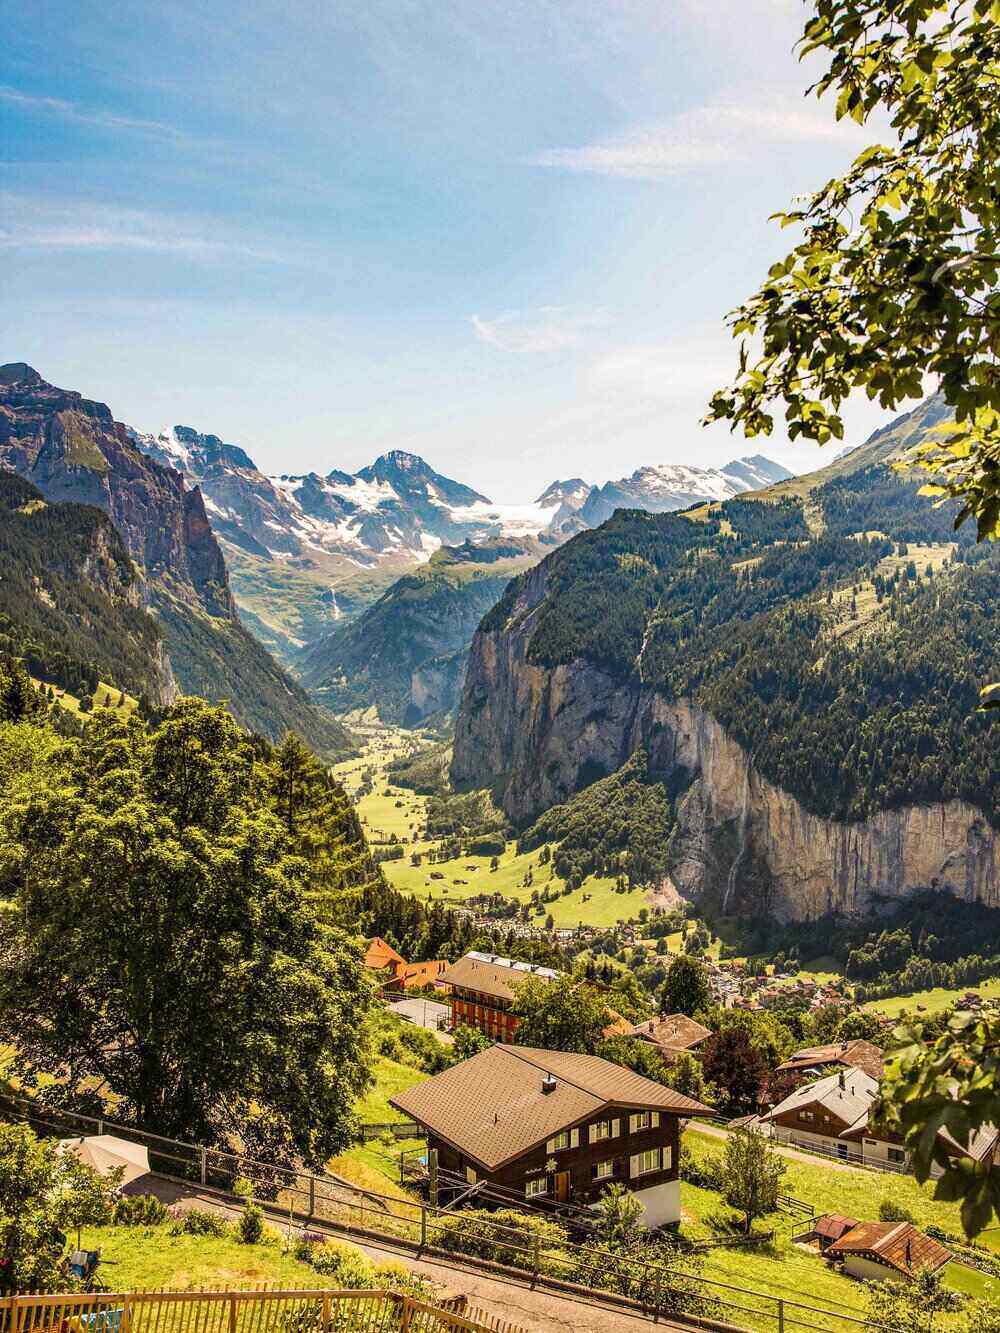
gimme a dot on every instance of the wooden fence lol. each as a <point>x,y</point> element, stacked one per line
<point>237,1312</point>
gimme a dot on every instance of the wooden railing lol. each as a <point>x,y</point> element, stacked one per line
<point>236,1312</point>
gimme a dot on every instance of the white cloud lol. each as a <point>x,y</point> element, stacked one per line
<point>80,115</point>
<point>550,328</point>
<point>705,136</point>
<point>674,371</point>
<point>40,223</point>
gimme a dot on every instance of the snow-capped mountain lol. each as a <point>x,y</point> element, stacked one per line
<point>306,549</point>
<point>667,486</point>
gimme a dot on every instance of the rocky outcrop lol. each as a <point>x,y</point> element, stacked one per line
<point>538,734</point>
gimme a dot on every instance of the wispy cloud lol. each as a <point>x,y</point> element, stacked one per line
<point>705,136</point>
<point>83,115</point>
<point>550,328</point>
<point>680,370</point>
<point>39,223</point>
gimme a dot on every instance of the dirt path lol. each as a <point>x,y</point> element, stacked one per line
<point>511,1298</point>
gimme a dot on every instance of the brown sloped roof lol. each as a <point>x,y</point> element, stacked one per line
<point>898,1244</point>
<point>492,1107</point>
<point>833,1225</point>
<point>858,1054</point>
<point>494,979</point>
<point>380,954</point>
<point>674,1030</point>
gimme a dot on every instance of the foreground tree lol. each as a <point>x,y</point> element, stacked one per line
<point>952,1083</point>
<point>896,276</point>
<point>43,1196</point>
<point>161,950</point>
<point>685,988</point>
<point>751,1175</point>
<point>736,1066</point>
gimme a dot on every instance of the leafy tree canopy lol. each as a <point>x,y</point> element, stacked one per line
<point>896,275</point>
<point>193,983</point>
<point>560,1015</point>
<point>685,989</point>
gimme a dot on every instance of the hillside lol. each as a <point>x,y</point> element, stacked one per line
<point>406,654</point>
<point>806,664</point>
<point>71,599</point>
<point>72,449</point>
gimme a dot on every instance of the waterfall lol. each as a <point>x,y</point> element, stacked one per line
<point>744,820</point>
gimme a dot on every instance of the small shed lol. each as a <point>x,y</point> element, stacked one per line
<point>829,1228</point>
<point>887,1251</point>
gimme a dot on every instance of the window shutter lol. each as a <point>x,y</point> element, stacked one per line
<point>656,1119</point>
<point>574,1138</point>
<point>591,1133</point>
<point>633,1120</point>
<point>550,1145</point>
<point>616,1128</point>
<point>633,1164</point>
<point>668,1158</point>
<point>593,1172</point>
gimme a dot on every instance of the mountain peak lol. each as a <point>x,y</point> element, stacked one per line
<point>19,372</point>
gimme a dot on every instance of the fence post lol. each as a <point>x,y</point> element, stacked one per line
<point>100,1127</point>
<point>423,1225</point>
<point>535,1255</point>
<point>232,1314</point>
<point>126,1315</point>
<point>326,1314</point>
<point>312,1196</point>
<point>405,1321</point>
<point>781,1315</point>
<point>204,1168</point>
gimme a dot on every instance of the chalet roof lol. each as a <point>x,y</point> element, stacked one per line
<point>493,1109</point>
<point>833,1225</point>
<point>379,954</point>
<point>857,1054</point>
<point>493,974</point>
<point>677,1031</point>
<point>416,975</point>
<point>847,1094</point>
<point>898,1244</point>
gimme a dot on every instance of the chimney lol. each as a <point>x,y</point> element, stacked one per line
<point>548,1083</point>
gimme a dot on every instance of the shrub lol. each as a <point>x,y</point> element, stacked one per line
<point>891,1211</point>
<point>505,1236</point>
<point>345,1264</point>
<point>706,1174</point>
<point>139,1210</point>
<point>250,1227</point>
<point>197,1222</point>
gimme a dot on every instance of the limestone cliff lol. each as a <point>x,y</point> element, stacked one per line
<point>538,733</point>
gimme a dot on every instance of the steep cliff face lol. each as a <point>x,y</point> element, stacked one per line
<point>537,734</point>
<point>73,450</point>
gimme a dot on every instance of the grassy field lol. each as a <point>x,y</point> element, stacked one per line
<point>373,1164</point>
<point>137,1258</point>
<point>388,810</point>
<point>72,704</point>
<point>795,1272</point>
<point>931,1001</point>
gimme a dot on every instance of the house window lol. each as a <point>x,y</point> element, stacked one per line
<point>805,1115</point>
<point>644,1162</point>
<point>470,1175</point>
<point>604,1170</point>
<point>560,1141</point>
<point>534,1188</point>
<point>600,1131</point>
<point>897,1155</point>
<point>643,1120</point>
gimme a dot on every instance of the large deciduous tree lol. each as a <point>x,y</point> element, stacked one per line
<point>685,988</point>
<point>896,276</point>
<point>161,950</point>
<point>751,1175</point>
<point>560,1015</point>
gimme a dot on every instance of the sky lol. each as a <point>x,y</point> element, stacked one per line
<point>502,234</point>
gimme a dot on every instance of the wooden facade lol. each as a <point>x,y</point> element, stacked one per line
<point>577,1165</point>
<point>489,1013</point>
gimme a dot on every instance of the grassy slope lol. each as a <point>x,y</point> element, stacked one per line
<point>381,818</point>
<point>931,1001</point>
<point>787,1270</point>
<point>140,1258</point>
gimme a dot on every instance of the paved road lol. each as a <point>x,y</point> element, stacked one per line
<point>538,1311</point>
<point>811,1159</point>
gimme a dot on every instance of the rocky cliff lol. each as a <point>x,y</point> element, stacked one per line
<point>72,449</point>
<point>537,734</point>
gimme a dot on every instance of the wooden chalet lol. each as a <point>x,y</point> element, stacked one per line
<point>557,1125</point>
<point>672,1035</point>
<point>819,1060</point>
<point>886,1251</point>
<point>481,990</point>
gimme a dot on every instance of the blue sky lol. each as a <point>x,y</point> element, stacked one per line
<point>500,233</point>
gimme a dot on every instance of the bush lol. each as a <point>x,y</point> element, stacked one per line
<point>250,1227</point>
<point>706,1174</point>
<point>890,1211</point>
<point>197,1222</point>
<point>345,1264</point>
<point>139,1210</point>
<point>505,1236</point>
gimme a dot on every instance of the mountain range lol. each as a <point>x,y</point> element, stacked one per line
<point>73,453</point>
<point>798,668</point>
<point>309,550</point>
